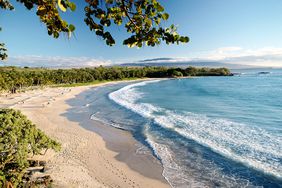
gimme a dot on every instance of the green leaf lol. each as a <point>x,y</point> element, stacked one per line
<point>61,6</point>
<point>71,28</point>
<point>159,7</point>
<point>72,6</point>
<point>184,39</point>
<point>165,16</point>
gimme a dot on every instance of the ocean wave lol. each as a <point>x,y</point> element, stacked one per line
<point>249,145</point>
<point>198,173</point>
<point>104,121</point>
<point>163,152</point>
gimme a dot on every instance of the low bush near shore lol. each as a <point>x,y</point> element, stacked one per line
<point>19,140</point>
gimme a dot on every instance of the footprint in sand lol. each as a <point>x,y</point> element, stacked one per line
<point>117,172</point>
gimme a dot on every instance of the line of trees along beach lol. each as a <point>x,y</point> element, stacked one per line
<point>13,78</point>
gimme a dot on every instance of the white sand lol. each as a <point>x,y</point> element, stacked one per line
<point>85,160</point>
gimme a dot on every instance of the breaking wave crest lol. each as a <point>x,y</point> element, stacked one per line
<point>252,146</point>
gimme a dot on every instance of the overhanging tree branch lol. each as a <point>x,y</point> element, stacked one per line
<point>140,18</point>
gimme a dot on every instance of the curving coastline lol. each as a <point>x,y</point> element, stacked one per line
<point>229,152</point>
<point>103,157</point>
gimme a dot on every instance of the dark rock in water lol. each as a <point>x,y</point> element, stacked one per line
<point>264,73</point>
<point>235,74</point>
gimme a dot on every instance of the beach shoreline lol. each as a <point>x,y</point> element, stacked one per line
<point>101,157</point>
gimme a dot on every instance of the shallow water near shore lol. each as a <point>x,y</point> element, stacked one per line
<point>117,140</point>
<point>208,131</point>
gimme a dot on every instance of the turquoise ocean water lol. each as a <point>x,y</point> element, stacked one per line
<point>206,131</point>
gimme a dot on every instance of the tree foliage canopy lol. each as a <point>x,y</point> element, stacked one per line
<point>19,139</point>
<point>12,79</point>
<point>141,19</point>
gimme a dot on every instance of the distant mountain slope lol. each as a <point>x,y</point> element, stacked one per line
<point>167,63</point>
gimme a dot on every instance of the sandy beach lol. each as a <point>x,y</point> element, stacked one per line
<point>100,157</point>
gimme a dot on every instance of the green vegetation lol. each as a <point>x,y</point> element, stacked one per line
<point>141,19</point>
<point>13,79</point>
<point>176,73</point>
<point>19,139</point>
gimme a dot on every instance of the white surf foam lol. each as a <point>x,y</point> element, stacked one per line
<point>249,145</point>
<point>170,166</point>
<point>180,176</point>
<point>95,118</point>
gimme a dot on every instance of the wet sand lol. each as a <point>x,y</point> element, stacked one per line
<point>93,154</point>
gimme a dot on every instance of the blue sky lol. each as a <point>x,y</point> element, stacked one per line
<point>237,31</point>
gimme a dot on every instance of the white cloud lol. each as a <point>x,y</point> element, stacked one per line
<point>56,61</point>
<point>268,56</point>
